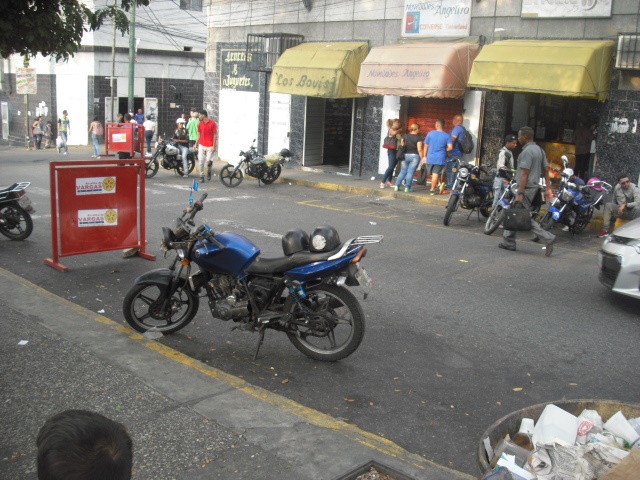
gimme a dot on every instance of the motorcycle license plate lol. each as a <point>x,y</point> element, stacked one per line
<point>24,202</point>
<point>363,277</point>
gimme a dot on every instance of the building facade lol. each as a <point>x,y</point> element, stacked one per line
<point>343,130</point>
<point>168,74</point>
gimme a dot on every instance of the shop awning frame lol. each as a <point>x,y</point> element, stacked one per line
<point>428,70</point>
<point>325,70</point>
<point>570,68</point>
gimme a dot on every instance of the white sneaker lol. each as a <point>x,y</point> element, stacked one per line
<point>66,153</point>
<point>93,156</point>
<point>565,228</point>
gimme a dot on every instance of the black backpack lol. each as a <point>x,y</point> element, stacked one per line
<point>465,141</point>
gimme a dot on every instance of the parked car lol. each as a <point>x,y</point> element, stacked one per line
<point>619,260</point>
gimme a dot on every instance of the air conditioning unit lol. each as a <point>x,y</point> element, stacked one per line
<point>628,53</point>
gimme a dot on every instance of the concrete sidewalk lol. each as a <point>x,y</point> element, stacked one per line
<point>187,420</point>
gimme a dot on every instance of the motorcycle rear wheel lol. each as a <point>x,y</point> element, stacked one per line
<point>485,208</point>
<point>142,308</point>
<point>271,174</point>
<point>152,167</point>
<point>192,164</point>
<point>335,327</point>
<point>451,207</point>
<point>582,222</point>
<point>230,177</point>
<point>495,220</point>
<point>17,223</point>
<point>547,221</point>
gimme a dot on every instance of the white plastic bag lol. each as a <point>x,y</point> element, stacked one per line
<point>59,142</point>
<point>589,422</point>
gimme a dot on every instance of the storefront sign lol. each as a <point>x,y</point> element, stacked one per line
<point>234,74</point>
<point>313,83</point>
<point>566,8</point>
<point>436,18</point>
<point>26,82</point>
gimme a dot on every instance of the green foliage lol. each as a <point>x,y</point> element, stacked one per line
<point>54,27</point>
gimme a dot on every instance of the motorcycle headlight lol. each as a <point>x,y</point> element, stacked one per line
<point>514,187</point>
<point>566,195</point>
<point>181,253</point>
<point>464,173</point>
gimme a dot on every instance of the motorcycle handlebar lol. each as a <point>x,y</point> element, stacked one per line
<point>197,206</point>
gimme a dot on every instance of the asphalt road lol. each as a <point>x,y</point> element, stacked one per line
<point>459,333</point>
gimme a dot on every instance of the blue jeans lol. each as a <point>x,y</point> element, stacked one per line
<point>499,186</point>
<point>64,141</point>
<point>96,145</point>
<point>388,174</point>
<point>409,166</point>
<point>148,135</point>
<point>451,176</point>
<point>184,151</point>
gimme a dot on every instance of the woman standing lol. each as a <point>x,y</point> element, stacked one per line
<point>395,130</point>
<point>149,130</point>
<point>37,133</point>
<point>96,131</point>
<point>413,143</point>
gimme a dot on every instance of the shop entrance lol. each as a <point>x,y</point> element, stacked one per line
<point>425,112</point>
<point>327,138</point>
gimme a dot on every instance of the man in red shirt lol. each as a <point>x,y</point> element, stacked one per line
<point>205,143</point>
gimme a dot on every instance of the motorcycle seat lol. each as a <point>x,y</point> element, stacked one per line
<point>487,181</point>
<point>282,264</point>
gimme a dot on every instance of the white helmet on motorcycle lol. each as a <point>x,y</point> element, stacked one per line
<point>568,172</point>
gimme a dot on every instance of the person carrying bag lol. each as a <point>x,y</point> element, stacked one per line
<point>390,142</point>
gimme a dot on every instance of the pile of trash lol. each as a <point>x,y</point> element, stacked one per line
<point>561,446</point>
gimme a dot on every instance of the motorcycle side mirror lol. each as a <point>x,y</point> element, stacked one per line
<point>565,160</point>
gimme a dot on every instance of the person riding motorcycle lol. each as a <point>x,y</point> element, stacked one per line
<point>181,137</point>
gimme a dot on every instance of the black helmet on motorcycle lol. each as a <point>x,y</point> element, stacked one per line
<point>295,240</point>
<point>324,239</point>
<point>285,153</point>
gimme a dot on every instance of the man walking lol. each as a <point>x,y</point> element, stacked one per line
<point>531,164</point>
<point>192,128</point>
<point>205,143</point>
<point>436,145</point>
<point>64,131</point>
<point>457,132</point>
<point>626,204</point>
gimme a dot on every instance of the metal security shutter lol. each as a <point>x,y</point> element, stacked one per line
<point>425,112</point>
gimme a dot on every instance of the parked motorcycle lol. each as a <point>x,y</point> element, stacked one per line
<point>302,293</point>
<point>574,204</point>
<point>471,191</point>
<point>266,168</point>
<point>168,155</point>
<point>506,201</point>
<point>15,211</point>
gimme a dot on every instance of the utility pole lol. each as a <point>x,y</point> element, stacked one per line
<point>132,53</point>
<point>113,69</point>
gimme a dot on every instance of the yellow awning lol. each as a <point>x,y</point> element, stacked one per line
<point>327,70</point>
<point>571,68</point>
<point>432,70</point>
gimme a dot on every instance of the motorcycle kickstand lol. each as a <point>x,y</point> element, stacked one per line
<point>263,329</point>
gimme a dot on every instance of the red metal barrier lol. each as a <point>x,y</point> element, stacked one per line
<point>124,137</point>
<point>97,206</point>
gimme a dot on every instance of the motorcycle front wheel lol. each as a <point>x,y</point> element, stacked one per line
<point>547,221</point>
<point>451,207</point>
<point>152,166</point>
<point>271,174</point>
<point>230,176</point>
<point>144,308</point>
<point>495,220</point>
<point>329,325</point>
<point>190,161</point>
<point>15,222</point>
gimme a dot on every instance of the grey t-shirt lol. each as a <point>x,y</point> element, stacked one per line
<point>533,159</point>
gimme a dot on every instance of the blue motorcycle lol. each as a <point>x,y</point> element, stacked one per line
<point>302,293</point>
<point>472,191</point>
<point>574,204</point>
